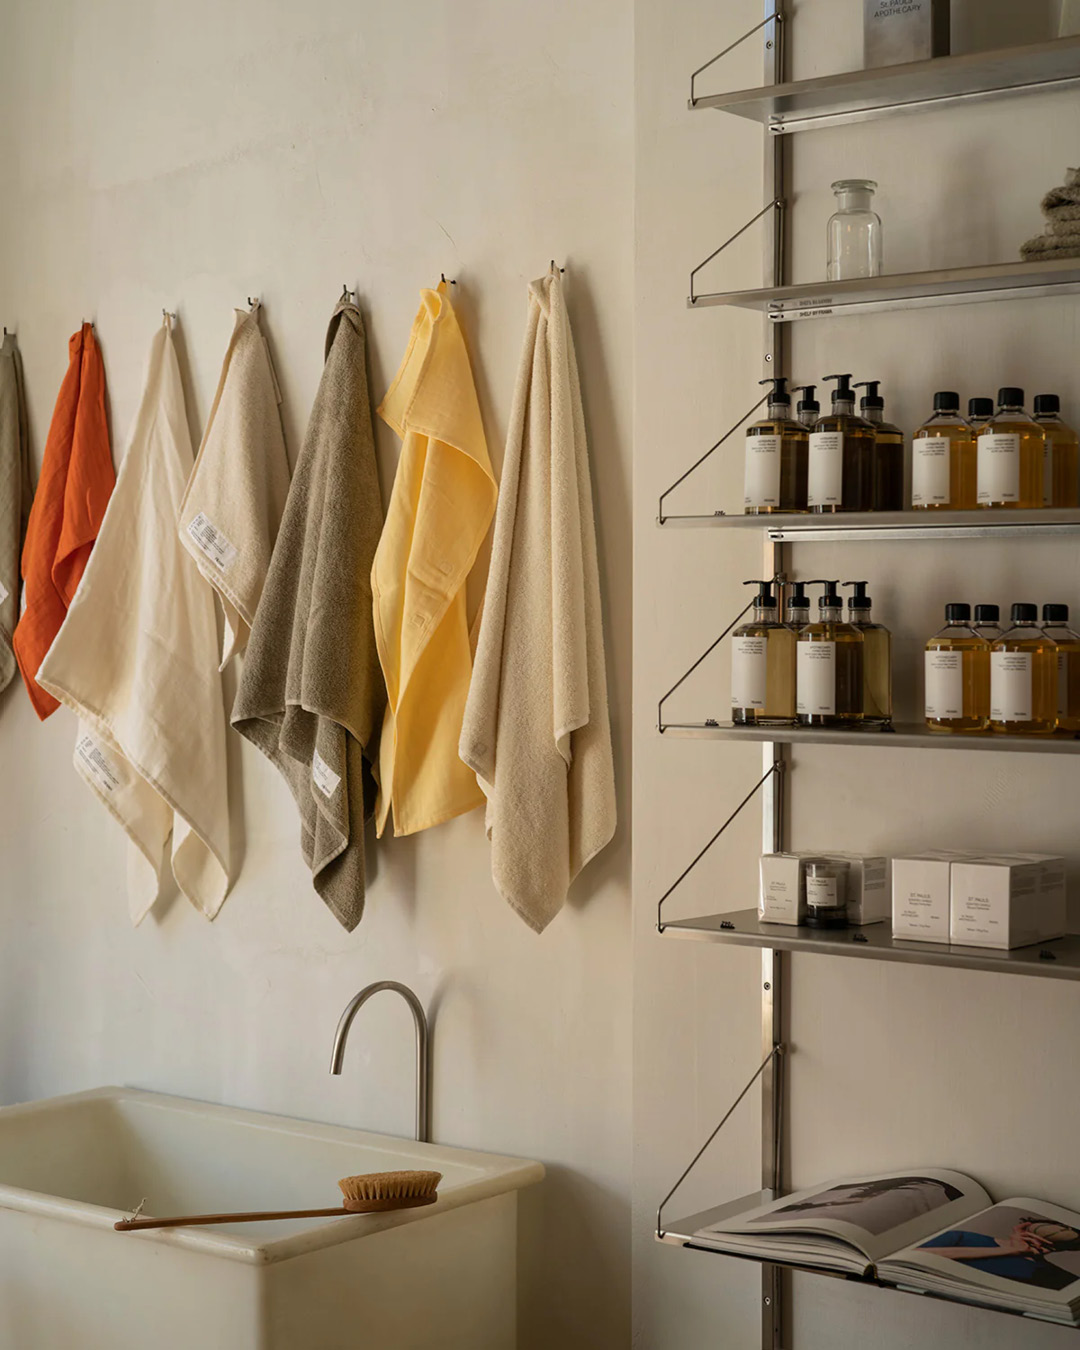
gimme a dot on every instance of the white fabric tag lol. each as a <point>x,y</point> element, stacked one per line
<point>217,546</point>
<point>96,764</point>
<point>4,592</point>
<point>323,776</point>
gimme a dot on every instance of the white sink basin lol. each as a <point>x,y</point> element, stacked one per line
<point>438,1278</point>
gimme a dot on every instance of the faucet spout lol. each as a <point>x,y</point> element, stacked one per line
<point>423,1046</point>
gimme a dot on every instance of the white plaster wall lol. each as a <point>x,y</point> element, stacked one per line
<point>187,156</point>
<point>891,1066</point>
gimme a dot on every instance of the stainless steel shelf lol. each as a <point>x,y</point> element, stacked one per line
<point>904,737</point>
<point>904,290</point>
<point>747,930</point>
<point>885,91</point>
<point>880,525</point>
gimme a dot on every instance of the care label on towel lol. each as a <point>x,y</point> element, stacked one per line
<point>93,760</point>
<point>4,592</point>
<point>323,776</point>
<point>217,546</point>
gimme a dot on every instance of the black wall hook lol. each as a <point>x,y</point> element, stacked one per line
<point>556,269</point>
<point>447,281</point>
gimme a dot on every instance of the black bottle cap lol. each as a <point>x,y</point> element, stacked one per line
<point>871,399</point>
<point>1010,397</point>
<point>957,613</point>
<point>809,403</point>
<point>1025,613</point>
<point>980,407</point>
<point>987,613</point>
<point>1047,404</point>
<point>1055,613</point>
<point>798,599</point>
<point>764,598</point>
<point>858,599</point>
<point>779,393</point>
<point>843,391</point>
<point>949,401</point>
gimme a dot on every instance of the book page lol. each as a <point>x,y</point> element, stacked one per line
<point>875,1214</point>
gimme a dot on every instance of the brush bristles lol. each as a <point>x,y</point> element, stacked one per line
<point>389,1190</point>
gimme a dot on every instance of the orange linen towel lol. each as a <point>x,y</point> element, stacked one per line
<point>440,509</point>
<point>76,482</point>
<point>16,494</point>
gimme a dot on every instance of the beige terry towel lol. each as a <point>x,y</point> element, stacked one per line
<point>135,660</point>
<point>232,508</point>
<point>536,728</point>
<point>16,495</point>
<point>311,695</point>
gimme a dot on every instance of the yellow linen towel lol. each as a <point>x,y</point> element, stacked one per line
<point>536,728</point>
<point>16,495</point>
<point>134,659</point>
<point>311,695</point>
<point>440,509</point>
<point>232,507</point>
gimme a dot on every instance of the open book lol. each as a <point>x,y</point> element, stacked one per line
<point>930,1231</point>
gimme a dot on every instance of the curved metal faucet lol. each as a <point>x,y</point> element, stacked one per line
<point>423,1046</point>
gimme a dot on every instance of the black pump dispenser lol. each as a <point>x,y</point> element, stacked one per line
<point>778,393</point>
<point>798,599</point>
<point>809,403</point>
<point>871,399</point>
<point>830,597</point>
<point>764,598</point>
<point>843,393</point>
<point>858,599</point>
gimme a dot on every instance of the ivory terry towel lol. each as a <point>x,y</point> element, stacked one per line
<point>536,729</point>
<point>135,661</point>
<point>440,509</point>
<point>232,507</point>
<point>311,695</point>
<point>76,480</point>
<point>16,494</point>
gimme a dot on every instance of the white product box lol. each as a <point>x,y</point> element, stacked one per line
<point>920,896</point>
<point>868,888</point>
<point>782,886</point>
<point>1008,900</point>
<point>782,899</point>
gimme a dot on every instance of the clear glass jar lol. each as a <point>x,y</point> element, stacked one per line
<point>826,883</point>
<point>854,233</point>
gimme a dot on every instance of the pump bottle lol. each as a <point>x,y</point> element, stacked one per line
<point>763,666</point>
<point>808,408</point>
<point>887,460</point>
<point>877,658</point>
<point>829,667</point>
<point>841,455</point>
<point>776,458</point>
<point>798,605</point>
<point>957,676</point>
<point>1010,456</point>
<point>943,468</point>
<point>1023,678</point>
<point>1061,454</point>
<point>1067,641</point>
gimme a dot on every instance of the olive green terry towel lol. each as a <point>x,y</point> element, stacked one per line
<point>16,494</point>
<point>311,696</point>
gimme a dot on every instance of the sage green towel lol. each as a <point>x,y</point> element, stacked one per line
<point>311,695</point>
<point>16,495</point>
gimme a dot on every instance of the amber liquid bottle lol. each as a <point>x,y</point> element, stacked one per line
<point>877,659</point>
<point>763,666</point>
<point>1067,641</point>
<point>957,676</point>
<point>1061,454</point>
<point>1023,678</point>
<point>1010,456</point>
<point>776,458</point>
<point>829,668</point>
<point>988,622</point>
<point>887,460</point>
<point>841,456</point>
<point>943,466</point>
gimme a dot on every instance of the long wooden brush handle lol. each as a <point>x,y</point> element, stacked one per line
<point>186,1220</point>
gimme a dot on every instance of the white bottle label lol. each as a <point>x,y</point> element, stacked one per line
<point>999,467</point>
<point>748,672</point>
<point>1010,687</point>
<point>762,484</point>
<point>1063,685</point>
<point>931,459</point>
<point>1048,471</point>
<point>826,472</point>
<point>822,893</point>
<point>815,678</point>
<point>944,685</point>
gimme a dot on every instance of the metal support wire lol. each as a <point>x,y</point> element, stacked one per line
<point>660,724</point>
<point>776,1051</point>
<point>777,768</point>
<point>698,463</point>
<point>777,16</point>
<point>777,202</point>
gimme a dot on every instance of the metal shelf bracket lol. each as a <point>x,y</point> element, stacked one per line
<point>660,723</point>
<point>698,463</point>
<point>776,17</point>
<point>775,203</point>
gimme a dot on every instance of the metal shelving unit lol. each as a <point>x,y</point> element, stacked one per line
<point>783,107</point>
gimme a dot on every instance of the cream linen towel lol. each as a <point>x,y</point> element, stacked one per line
<point>135,660</point>
<point>311,695</point>
<point>231,510</point>
<point>536,729</point>
<point>16,494</point>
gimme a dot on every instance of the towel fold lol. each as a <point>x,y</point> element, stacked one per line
<point>77,478</point>
<point>1061,238</point>
<point>440,509</point>
<point>134,660</point>
<point>536,730</point>
<point>16,496</point>
<point>311,695</point>
<point>232,507</point>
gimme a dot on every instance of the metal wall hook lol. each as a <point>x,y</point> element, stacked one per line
<point>346,296</point>
<point>447,281</point>
<point>253,303</point>
<point>556,269</point>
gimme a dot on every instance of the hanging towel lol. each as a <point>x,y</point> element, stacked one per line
<point>76,480</point>
<point>16,494</point>
<point>536,727</point>
<point>135,661</point>
<point>231,510</point>
<point>311,695</point>
<point>440,509</point>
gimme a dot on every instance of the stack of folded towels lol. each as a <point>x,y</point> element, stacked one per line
<point>1061,207</point>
